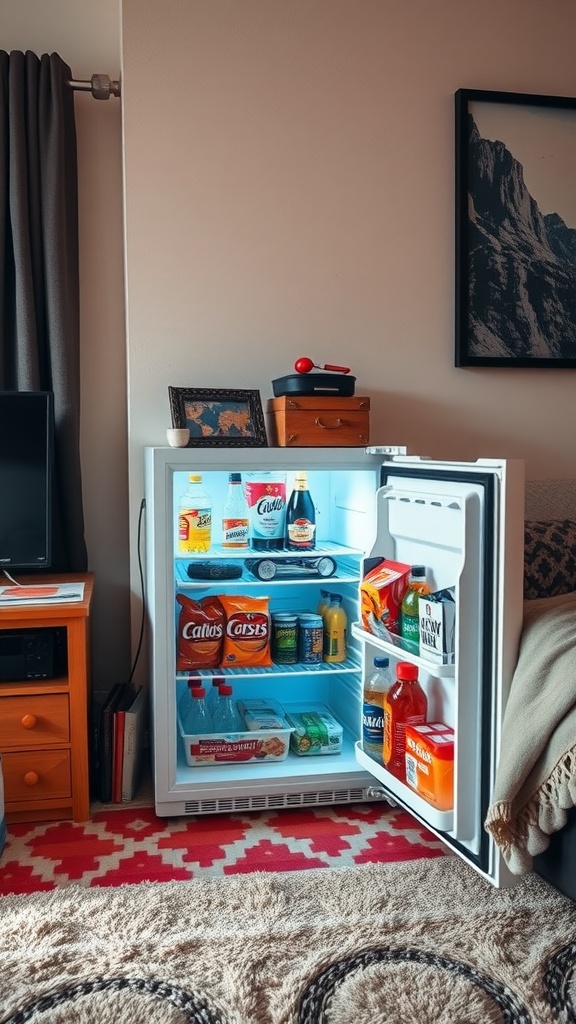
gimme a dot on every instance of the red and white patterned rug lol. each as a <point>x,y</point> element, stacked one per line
<point>127,845</point>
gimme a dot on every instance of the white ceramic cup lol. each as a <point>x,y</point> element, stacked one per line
<point>178,437</point>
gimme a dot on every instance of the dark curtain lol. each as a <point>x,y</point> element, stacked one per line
<point>39,299</point>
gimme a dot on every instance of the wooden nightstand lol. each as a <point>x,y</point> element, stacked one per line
<point>44,722</point>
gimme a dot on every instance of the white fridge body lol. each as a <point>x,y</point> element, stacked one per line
<point>463,521</point>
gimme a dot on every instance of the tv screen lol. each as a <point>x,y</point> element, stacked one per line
<point>26,455</point>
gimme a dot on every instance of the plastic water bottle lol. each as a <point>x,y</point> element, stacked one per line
<point>226,715</point>
<point>375,689</point>
<point>195,717</point>
<point>213,694</point>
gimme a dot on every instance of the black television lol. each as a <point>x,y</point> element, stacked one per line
<point>26,479</point>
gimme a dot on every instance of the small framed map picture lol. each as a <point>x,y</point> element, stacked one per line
<point>214,417</point>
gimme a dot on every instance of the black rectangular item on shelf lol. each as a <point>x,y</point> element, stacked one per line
<point>314,384</point>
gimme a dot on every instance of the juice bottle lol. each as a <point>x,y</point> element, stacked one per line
<point>323,603</point>
<point>195,517</point>
<point>335,623</point>
<point>405,704</point>
<point>409,618</point>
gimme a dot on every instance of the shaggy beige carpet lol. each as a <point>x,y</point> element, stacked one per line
<point>426,942</point>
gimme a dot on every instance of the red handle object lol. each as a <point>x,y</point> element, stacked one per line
<point>304,365</point>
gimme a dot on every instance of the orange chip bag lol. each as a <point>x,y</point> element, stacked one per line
<point>381,593</point>
<point>247,633</point>
<point>200,633</point>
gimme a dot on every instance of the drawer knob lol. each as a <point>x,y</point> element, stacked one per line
<point>31,778</point>
<point>29,721</point>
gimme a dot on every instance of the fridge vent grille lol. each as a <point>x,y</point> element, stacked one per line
<point>260,803</point>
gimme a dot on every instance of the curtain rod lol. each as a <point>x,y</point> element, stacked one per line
<point>102,87</point>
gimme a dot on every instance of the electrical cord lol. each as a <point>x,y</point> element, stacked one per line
<point>142,591</point>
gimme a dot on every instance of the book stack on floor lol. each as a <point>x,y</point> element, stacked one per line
<point>121,742</point>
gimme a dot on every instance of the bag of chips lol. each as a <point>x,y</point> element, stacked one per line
<point>200,633</point>
<point>247,632</point>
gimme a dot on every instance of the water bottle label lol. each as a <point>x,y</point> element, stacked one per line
<point>235,533</point>
<point>373,723</point>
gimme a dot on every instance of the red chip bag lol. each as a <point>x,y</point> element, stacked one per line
<point>200,633</point>
<point>247,634</point>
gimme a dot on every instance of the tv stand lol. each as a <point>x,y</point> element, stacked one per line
<point>44,722</point>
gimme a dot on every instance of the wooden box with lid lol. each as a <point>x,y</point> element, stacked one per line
<point>319,421</point>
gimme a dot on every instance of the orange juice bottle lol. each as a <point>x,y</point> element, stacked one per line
<point>405,704</point>
<point>324,603</point>
<point>335,625</point>
<point>194,518</point>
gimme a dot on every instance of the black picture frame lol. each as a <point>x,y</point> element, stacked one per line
<point>217,417</point>
<point>515,229</point>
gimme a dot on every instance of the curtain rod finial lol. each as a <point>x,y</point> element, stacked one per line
<point>103,87</point>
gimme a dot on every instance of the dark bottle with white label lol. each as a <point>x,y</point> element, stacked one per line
<point>300,517</point>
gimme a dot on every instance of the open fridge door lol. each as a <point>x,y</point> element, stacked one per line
<point>464,522</point>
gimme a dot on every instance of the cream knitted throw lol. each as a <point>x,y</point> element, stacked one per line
<point>535,781</point>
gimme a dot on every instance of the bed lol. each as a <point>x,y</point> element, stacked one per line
<point>532,815</point>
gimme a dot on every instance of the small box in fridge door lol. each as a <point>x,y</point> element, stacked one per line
<point>437,615</point>
<point>381,593</point>
<point>430,763</point>
<point>315,730</point>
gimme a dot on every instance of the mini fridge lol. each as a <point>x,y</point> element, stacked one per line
<point>464,521</point>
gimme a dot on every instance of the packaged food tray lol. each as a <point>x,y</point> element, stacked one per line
<point>316,731</point>
<point>254,744</point>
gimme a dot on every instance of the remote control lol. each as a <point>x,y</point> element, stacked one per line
<point>214,570</point>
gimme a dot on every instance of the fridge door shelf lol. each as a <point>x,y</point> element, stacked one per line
<point>398,650</point>
<point>442,821</point>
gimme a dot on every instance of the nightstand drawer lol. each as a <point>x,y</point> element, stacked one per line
<point>34,720</point>
<point>36,775</point>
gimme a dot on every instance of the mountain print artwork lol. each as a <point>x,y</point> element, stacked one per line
<point>522,263</point>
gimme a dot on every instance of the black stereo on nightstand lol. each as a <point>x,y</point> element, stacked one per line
<point>32,653</point>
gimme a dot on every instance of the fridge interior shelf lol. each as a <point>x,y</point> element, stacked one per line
<point>434,668</point>
<point>346,571</point>
<point>218,551</point>
<point>443,821</point>
<point>292,768</point>
<point>351,664</point>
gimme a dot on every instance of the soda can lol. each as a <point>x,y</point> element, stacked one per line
<point>284,638</point>
<point>310,638</point>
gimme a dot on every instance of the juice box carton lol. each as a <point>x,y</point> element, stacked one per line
<point>430,763</point>
<point>437,620</point>
<point>381,593</point>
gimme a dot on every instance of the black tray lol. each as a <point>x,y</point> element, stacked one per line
<point>314,384</point>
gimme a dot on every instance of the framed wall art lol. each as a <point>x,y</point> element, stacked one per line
<point>515,229</point>
<point>215,417</point>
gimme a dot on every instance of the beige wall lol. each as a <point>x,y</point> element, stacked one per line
<point>289,176</point>
<point>87,37</point>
